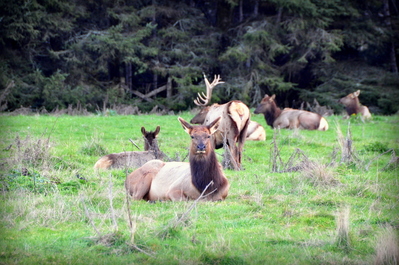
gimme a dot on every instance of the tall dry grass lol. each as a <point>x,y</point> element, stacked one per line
<point>387,247</point>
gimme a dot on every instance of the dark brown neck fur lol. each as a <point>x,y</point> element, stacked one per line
<point>354,107</point>
<point>272,115</point>
<point>204,169</point>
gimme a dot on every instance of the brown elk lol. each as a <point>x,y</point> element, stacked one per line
<point>234,120</point>
<point>176,181</point>
<point>353,106</point>
<point>289,118</point>
<point>255,132</point>
<point>133,159</point>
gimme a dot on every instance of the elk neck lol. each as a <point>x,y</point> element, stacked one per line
<point>272,114</point>
<point>204,169</point>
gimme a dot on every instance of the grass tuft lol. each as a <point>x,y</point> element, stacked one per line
<point>342,236</point>
<point>319,174</point>
<point>387,247</point>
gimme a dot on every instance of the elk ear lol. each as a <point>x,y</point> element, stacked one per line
<point>356,93</point>
<point>273,97</point>
<point>157,131</point>
<point>214,125</point>
<point>186,126</point>
<point>143,131</point>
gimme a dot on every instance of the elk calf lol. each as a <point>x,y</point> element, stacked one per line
<point>289,118</point>
<point>133,159</point>
<point>176,181</point>
<point>353,106</point>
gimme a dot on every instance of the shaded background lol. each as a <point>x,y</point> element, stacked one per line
<point>104,54</point>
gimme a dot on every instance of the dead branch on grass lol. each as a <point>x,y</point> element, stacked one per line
<point>175,223</point>
<point>89,216</point>
<point>348,154</point>
<point>132,227</point>
<point>275,153</point>
<point>378,156</point>
<point>115,224</point>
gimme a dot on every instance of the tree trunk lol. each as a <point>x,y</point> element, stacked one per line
<point>241,14</point>
<point>169,88</point>
<point>392,55</point>
<point>155,81</point>
<point>256,8</point>
<point>128,78</point>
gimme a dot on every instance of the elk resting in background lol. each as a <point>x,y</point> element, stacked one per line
<point>234,120</point>
<point>176,181</point>
<point>133,159</point>
<point>255,132</point>
<point>353,106</point>
<point>289,118</point>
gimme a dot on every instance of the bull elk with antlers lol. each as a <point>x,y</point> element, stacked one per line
<point>234,121</point>
<point>176,181</point>
<point>133,159</point>
<point>353,106</point>
<point>289,118</point>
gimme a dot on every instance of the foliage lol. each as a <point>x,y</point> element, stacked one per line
<point>97,54</point>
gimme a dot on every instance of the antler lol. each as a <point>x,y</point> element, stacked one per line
<point>209,87</point>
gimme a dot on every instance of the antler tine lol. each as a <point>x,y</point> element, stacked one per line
<point>201,97</point>
<point>209,87</point>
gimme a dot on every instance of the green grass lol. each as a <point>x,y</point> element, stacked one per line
<point>56,209</point>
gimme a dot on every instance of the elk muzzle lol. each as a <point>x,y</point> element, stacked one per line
<point>201,148</point>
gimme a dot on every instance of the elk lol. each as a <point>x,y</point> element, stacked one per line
<point>255,132</point>
<point>234,120</point>
<point>177,181</point>
<point>289,118</point>
<point>133,159</point>
<point>353,106</point>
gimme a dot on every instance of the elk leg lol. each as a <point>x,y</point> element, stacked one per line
<point>177,195</point>
<point>138,184</point>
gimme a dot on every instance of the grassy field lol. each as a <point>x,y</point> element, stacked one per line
<point>304,197</point>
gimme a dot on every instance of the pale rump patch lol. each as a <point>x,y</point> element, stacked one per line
<point>323,124</point>
<point>240,114</point>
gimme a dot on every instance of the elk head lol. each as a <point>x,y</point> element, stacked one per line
<point>266,105</point>
<point>351,103</point>
<point>202,100</point>
<point>201,143</point>
<point>349,99</point>
<point>150,139</point>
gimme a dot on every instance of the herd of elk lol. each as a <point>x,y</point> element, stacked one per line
<point>234,120</point>
<point>353,106</point>
<point>176,181</point>
<point>289,118</point>
<point>220,125</point>
<point>132,159</point>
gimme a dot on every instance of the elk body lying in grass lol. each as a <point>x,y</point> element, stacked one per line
<point>289,118</point>
<point>255,132</point>
<point>353,106</point>
<point>234,121</point>
<point>176,181</point>
<point>134,159</point>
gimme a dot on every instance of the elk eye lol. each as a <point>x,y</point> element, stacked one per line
<point>209,136</point>
<point>192,137</point>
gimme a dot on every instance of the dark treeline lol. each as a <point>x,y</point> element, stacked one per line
<point>145,53</point>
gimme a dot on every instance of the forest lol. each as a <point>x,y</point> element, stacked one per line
<point>152,54</point>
